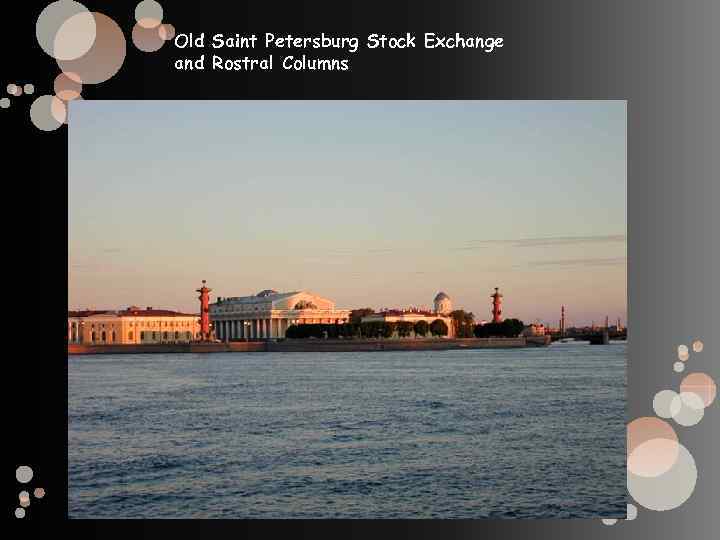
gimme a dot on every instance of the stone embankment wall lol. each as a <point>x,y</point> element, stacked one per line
<point>316,345</point>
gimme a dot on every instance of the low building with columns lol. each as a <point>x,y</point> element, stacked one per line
<point>132,326</point>
<point>268,314</point>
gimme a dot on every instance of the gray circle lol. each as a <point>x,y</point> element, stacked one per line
<point>669,490</point>
<point>23,474</point>
<point>43,113</point>
<point>148,14</point>
<point>19,513</point>
<point>71,42</point>
<point>662,402</point>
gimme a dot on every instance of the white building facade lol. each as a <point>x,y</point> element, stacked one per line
<point>268,314</point>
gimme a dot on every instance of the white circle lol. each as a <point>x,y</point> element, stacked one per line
<point>75,37</point>
<point>23,474</point>
<point>11,89</point>
<point>65,41</point>
<point>609,521</point>
<point>632,512</point>
<point>29,88</point>
<point>662,402</point>
<point>19,513</point>
<point>679,367</point>
<point>668,490</point>
<point>4,103</point>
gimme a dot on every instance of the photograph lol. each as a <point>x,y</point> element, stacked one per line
<point>356,309</point>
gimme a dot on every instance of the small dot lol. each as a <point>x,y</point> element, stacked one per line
<point>698,346</point>
<point>19,513</point>
<point>39,493</point>
<point>679,367</point>
<point>24,474</point>
<point>609,521</point>
<point>29,88</point>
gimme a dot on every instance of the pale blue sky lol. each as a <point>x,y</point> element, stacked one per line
<point>377,204</point>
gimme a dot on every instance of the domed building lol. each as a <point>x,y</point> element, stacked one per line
<point>442,303</point>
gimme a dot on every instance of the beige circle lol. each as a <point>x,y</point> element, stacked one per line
<point>4,103</point>
<point>669,490</point>
<point>651,446</point>
<point>23,474</point>
<point>683,355</point>
<point>68,86</point>
<point>104,58</point>
<point>682,349</point>
<point>653,457</point>
<point>66,30</point>
<point>701,384</point>
<point>697,346</point>
<point>11,88</point>
<point>148,14</point>
<point>39,493</point>
<point>46,113</point>
<point>679,367</point>
<point>662,401</point>
<point>147,39</point>
<point>29,89</point>
<point>24,498</point>
<point>687,408</point>
<point>632,512</point>
<point>166,32</point>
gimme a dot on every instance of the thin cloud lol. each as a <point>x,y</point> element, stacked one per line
<point>544,241</point>
<point>609,261</point>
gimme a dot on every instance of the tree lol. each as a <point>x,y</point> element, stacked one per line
<point>463,323</point>
<point>507,328</point>
<point>356,315</point>
<point>404,328</point>
<point>438,328</point>
<point>388,329</point>
<point>421,328</point>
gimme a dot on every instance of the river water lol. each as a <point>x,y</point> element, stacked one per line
<point>516,433</point>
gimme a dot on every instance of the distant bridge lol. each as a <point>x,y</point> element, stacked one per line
<point>590,336</point>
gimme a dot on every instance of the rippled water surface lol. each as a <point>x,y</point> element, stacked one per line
<point>525,433</point>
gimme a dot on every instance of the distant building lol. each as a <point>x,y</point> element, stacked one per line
<point>268,314</point>
<point>132,326</point>
<point>535,329</point>
<point>443,307</point>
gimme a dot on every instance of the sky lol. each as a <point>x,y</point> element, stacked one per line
<point>368,203</point>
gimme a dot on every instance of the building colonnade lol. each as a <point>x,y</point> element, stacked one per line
<point>270,328</point>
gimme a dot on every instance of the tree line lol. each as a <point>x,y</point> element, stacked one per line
<point>374,329</point>
<point>403,329</point>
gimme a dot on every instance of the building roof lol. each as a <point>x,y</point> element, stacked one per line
<point>267,292</point>
<point>87,312</point>
<point>132,312</point>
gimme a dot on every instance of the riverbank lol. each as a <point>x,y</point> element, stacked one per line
<point>315,345</point>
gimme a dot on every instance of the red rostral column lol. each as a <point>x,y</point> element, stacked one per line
<point>204,312</point>
<point>497,306</point>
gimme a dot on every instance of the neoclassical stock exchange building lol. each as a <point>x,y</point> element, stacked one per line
<point>268,314</point>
